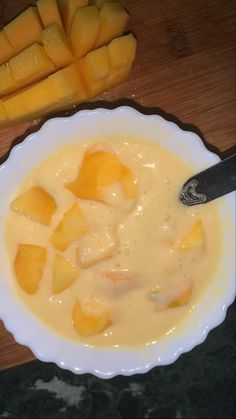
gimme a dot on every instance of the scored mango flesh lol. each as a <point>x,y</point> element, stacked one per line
<point>113,18</point>
<point>98,171</point>
<point>6,50</point>
<point>68,9</point>
<point>91,322</point>
<point>24,30</point>
<point>49,13</point>
<point>84,30</point>
<point>60,33</point>
<point>57,46</point>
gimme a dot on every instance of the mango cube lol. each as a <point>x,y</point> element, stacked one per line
<point>72,227</point>
<point>31,65</point>
<point>64,274</point>
<point>84,30</point>
<point>90,322</point>
<point>14,107</point>
<point>56,46</point>
<point>95,247</point>
<point>24,30</point>
<point>113,21</point>
<point>36,204</point>
<point>68,9</point>
<point>98,170</point>
<point>129,183</point>
<point>6,50</point>
<point>195,238</point>
<point>182,300</point>
<point>67,85</point>
<point>49,13</point>
<point>29,266</point>
<point>7,82</point>
<point>94,69</point>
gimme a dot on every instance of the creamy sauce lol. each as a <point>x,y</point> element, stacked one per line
<point>143,236</point>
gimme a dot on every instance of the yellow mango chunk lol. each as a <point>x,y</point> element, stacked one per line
<point>24,30</point>
<point>98,170</point>
<point>182,300</point>
<point>57,91</point>
<point>6,50</point>
<point>113,21</point>
<point>56,46</point>
<point>29,266</point>
<point>7,82</point>
<point>49,13</point>
<point>129,183</point>
<point>90,322</point>
<point>64,273</point>
<point>67,85</point>
<point>94,69</point>
<point>31,65</point>
<point>72,226</point>
<point>194,238</point>
<point>36,204</point>
<point>121,53</point>
<point>68,9</point>
<point>99,3</point>
<point>3,115</point>
<point>84,30</point>
<point>14,107</point>
<point>39,98</point>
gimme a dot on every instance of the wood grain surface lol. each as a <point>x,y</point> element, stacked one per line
<point>184,70</point>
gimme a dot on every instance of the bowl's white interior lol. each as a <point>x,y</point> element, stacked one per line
<point>211,310</point>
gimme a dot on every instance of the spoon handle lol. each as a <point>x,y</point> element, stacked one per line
<point>210,184</point>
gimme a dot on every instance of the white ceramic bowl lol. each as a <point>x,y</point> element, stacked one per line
<point>210,311</point>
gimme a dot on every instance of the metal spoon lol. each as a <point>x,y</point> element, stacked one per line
<point>210,184</point>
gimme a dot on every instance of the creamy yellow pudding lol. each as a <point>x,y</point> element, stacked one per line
<point>101,249</point>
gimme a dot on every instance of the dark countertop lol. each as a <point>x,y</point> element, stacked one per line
<point>199,385</point>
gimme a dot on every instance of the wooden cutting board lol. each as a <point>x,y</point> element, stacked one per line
<point>185,69</point>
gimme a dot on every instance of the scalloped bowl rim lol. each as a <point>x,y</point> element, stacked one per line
<point>108,362</point>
